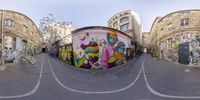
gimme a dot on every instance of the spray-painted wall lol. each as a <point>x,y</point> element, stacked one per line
<point>99,48</point>
<point>170,48</point>
<point>12,49</point>
<point>65,53</point>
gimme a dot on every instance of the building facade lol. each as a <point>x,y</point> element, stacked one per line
<point>19,36</point>
<point>145,39</point>
<point>56,31</point>
<point>153,38</point>
<point>176,37</point>
<point>127,22</point>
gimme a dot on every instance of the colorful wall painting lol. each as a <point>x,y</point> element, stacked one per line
<point>169,48</point>
<point>99,48</point>
<point>65,54</point>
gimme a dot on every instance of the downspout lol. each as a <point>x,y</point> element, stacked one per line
<point>2,38</point>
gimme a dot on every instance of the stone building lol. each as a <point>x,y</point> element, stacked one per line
<point>128,22</point>
<point>18,34</point>
<point>145,39</point>
<point>58,32</point>
<point>176,37</point>
<point>153,38</point>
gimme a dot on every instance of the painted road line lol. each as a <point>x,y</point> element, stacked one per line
<point>92,92</point>
<point>32,91</point>
<point>160,94</point>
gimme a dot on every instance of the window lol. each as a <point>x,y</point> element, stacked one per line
<point>31,33</point>
<point>9,22</point>
<point>115,24</point>
<point>169,43</point>
<point>123,19</point>
<point>8,42</point>
<point>184,21</point>
<point>126,13</point>
<point>161,29</point>
<point>26,19</point>
<point>121,15</point>
<point>25,28</point>
<point>124,28</point>
<point>169,27</point>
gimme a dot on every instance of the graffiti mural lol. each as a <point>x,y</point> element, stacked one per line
<point>12,49</point>
<point>170,50</point>
<point>170,54</point>
<point>195,51</point>
<point>65,54</point>
<point>99,48</point>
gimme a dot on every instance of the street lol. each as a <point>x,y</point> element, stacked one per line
<point>143,78</point>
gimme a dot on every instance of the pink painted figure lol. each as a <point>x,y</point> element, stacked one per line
<point>107,53</point>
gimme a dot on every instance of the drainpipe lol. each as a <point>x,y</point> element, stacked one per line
<point>159,45</point>
<point>2,38</point>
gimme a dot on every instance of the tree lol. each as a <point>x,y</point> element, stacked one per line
<point>45,23</point>
<point>52,30</point>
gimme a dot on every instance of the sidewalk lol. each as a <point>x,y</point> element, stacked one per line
<point>13,71</point>
<point>19,78</point>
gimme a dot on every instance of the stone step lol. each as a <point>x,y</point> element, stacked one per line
<point>31,59</point>
<point>33,62</point>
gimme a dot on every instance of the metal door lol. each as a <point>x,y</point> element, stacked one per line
<point>183,52</point>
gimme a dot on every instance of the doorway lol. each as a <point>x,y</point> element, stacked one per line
<point>183,54</point>
<point>43,49</point>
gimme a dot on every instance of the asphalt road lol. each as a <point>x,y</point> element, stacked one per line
<point>143,78</point>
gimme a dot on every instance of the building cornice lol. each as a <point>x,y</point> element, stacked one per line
<point>118,14</point>
<point>177,12</point>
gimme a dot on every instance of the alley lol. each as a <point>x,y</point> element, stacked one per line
<point>144,78</point>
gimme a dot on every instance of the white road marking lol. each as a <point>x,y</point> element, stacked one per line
<point>30,92</point>
<point>164,95</point>
<point>93,92</point>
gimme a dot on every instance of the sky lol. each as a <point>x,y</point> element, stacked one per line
<point>84,13</point>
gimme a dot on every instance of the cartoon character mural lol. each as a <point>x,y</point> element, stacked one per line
<point>89,54</point>
<point>108,50</point>
<point>99,48</point>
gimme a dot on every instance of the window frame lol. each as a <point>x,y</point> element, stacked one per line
<point>9,22</point>
<point>122,27</point>
<point>185,21</point>
<point>124,19</point>
<point>115,23</point>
